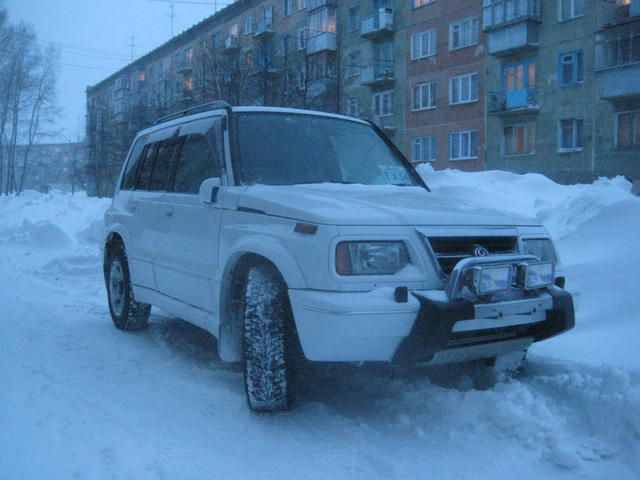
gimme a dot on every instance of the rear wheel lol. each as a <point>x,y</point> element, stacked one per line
<point>268,340</point>
<point>126,313</point>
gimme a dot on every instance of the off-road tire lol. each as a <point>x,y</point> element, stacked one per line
<point>268,340</point>
<point>126,313</point>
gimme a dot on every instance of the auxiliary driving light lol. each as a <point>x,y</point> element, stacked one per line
<point>490,279</point>
<point>535,275</point>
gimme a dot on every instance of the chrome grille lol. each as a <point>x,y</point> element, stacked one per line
<point>450,250</point>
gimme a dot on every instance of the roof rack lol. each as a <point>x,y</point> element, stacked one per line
<point>203,107</point>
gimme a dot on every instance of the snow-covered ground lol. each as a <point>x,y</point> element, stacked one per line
<point>80,399</point>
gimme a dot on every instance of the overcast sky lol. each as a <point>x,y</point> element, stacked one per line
<point>94,38</point>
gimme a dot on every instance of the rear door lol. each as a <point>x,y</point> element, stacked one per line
<point>146,202</point>
<point>187,257</point>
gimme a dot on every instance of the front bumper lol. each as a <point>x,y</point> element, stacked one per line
<point>430,327</point>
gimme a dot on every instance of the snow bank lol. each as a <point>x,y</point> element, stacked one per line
<point>596,228</point>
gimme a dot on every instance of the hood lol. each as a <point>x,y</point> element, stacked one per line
<point>335,204</point>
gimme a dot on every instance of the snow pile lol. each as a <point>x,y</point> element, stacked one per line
<point>83,400</point>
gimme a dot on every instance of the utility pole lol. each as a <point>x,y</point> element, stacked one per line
<point>132,45</point>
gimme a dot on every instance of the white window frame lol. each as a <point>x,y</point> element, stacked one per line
<point>378,112</point>
<point>417,50</point>
<point>574,135</point>
<point>470,91</point>
<point>573,14</point>
<point>425,94</point>
<point>527,127</point>
<point>421,3</point>
<point>302,4</point>
<point>287,7</point>
<point>248,25</point>
<point>633,114</point>
<point>460,23</point>
<point>353,107</point>
<point>418,146</point>
<point>467,135</point>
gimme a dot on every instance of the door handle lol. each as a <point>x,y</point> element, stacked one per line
<point>168,212</point>
<point>132,205</point>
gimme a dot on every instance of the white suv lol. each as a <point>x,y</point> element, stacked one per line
<point>287,233</point>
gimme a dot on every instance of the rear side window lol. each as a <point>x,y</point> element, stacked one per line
<point>146,167</point>
<point>129,177</point>
<point>196,163</point>
<point>162,167</point>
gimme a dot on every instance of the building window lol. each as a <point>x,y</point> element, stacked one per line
<point>301,37</point>
<point>188,84</point>
<point>287,7</point>
<point>248,25</point>
<point>353,68</point>
<point>382,103</point>
<point>463,145</point>
<point>423,44</point>
<point>353,107</point>
<point>354,19</point>
<point>570,135</point>
<point>420,3</point>
<point>570,9</point>
<point>423,149</point>
<point>321,21</point>
<point>463,89</point>
<point>628,129</point>
<point>302,78</point>
<point>424,96</point>
<point>519,139</point>
<point>302,4</point>
<point>463,33</point>
<point>570,68</point>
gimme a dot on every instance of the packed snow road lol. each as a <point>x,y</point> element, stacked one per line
<point>80,399</point>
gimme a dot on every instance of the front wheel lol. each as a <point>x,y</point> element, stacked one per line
<point>126,313</point>
<point>268,362</point>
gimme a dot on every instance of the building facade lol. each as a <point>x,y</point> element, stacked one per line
<point>563,87</point>
<point>57,166</point>
<point>521,85</point>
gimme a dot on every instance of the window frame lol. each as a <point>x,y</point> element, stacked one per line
<point>248,22</point>
<point>574,135</point>
<point>577,62</point>
<point>527,126</point>
<point>353,101</point>
<point>460,23</point>
<point>420,142</point>
<point>573,10</point>
<point>460,133</point>
<point>381,95</point>
<point>459,79</point>
<point>433,44</point>
<point>423,3</point>
<point>357,26</point>
<point>431,91</point>
<point>635,115</point>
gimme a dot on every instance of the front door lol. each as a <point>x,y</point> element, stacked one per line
<point>187,256</point>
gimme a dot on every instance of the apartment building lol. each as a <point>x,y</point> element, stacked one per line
<point>563,87</point>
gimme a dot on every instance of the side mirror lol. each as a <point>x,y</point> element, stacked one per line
<point>208,192</point>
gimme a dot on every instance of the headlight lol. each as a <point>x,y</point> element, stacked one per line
<point>541,248</point>
<point>371,258</point>
<point>490,279</point>
<point>532,276</point>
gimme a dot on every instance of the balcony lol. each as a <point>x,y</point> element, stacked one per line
<point>618,61</point>
<point>379,75</point>
<point>321,42</point>
<point>264,29</point>
<point>377,25</point>
<point>316,4</point>
<point>231,44</point>
<point>512,26</point>
<point>184,66</point>
<point>513,102</point>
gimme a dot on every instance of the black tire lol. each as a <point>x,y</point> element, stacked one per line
<point>268,340</point>
<point>126,313</point>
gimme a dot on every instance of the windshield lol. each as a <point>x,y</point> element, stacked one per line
<point>289,149</point>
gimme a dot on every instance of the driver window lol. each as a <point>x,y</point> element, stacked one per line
<point>197,162</point>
